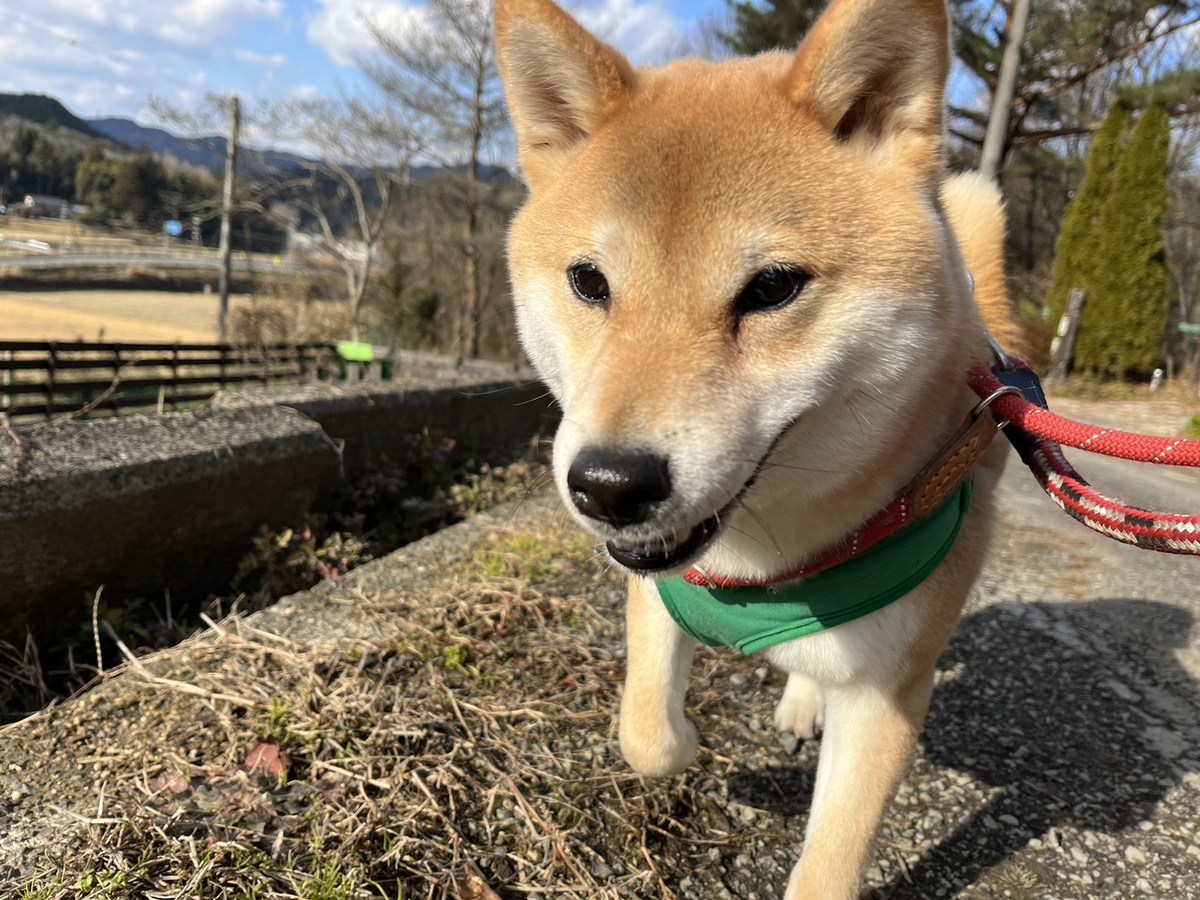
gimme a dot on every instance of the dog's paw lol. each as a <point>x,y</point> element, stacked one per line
<point>658,748</point>
<point>801,710</point>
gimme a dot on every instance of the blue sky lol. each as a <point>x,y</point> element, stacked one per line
<point>106,57</point>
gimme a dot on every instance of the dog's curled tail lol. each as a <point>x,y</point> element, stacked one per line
<point>976,212</point>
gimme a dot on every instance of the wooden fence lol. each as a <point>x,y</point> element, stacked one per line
<point>46,378</point>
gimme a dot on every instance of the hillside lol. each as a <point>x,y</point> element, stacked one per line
<point>206,153</point>
<point>42,110</point>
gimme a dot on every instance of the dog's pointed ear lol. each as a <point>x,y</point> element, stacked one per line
<point>877,69</point>
<point>561,82</point>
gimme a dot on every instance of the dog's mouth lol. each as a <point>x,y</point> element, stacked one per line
<point>664,553</point>
<point>654,559</point>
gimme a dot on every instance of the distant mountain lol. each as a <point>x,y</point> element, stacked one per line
<point>209,152</point>
<point>203,152</point>
<point>206,153</point>
<point>42,110</point>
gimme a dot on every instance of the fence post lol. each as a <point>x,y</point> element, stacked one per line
<point>51,370</point>
<point>116,367</point>
<point>1062,348</point>
<point>6,378</point>
<point>174,377</point>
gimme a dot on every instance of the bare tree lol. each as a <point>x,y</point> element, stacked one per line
<point>444,70</point>
<point>361,156</point>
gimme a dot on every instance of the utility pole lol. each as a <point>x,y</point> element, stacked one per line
<point>235,121</point>
<point>997,130</point>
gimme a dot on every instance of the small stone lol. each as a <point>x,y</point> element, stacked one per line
<point>1010,820</point>
<point>1134,855</point>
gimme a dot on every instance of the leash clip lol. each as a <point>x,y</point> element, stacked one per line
<point>1004,362</point>
<point>992,398</point>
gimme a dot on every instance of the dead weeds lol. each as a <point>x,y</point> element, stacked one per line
<point>470,753</point>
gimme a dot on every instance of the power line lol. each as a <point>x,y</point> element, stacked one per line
<point>98,51</point>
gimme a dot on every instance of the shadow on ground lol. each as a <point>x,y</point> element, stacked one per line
<point>1064,714</point>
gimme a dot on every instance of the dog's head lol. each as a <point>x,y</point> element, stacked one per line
<point>736,278</point>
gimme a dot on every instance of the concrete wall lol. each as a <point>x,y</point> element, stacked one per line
<point>147,504</point>
<point>142,505</point>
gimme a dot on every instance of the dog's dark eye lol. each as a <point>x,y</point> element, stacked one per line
<point>771,289</point>
<point>588,283</point>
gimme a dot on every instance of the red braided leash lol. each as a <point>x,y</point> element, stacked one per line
<point>1040,422</point>
<point>1037,435</point>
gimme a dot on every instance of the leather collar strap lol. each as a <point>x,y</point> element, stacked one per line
<point>920,497</point>
<point>752,619</point>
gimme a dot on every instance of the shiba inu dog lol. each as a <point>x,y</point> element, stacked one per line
<point>756,294</point>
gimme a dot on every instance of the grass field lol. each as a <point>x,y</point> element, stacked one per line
<point>110,315</point>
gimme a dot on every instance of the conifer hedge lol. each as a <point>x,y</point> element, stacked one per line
<point>1075,257</point>
<point>1121,332</point>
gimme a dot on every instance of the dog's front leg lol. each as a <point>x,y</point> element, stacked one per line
<point>870,733</point>
<point>656,737</point>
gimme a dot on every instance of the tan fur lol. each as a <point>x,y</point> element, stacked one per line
<point>680,184</point>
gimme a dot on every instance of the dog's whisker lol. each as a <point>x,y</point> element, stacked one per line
<point>765,529</point>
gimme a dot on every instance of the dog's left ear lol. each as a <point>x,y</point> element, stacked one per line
<point>876,70</point>
<point>561,82</point>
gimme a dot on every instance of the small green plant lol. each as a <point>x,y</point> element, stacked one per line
<point>328,882</point>
<point>455,656</point>
<point>1192,431</point>
<point>277,722</point>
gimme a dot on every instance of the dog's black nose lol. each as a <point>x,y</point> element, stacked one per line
<point>618,488</point>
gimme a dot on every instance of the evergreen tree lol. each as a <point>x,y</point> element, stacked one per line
<point>1075,256</point>
<point>137,188</point>
<point>771,25</point>
<point>1122,329</point>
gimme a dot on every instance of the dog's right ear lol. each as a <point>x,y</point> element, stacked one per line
<point>561,82</point>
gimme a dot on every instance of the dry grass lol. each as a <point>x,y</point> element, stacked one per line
<point>464,751</point>
<point>110,315</point>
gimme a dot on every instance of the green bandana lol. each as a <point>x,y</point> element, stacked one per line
<point>751,619</point>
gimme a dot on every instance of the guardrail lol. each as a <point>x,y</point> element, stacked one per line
<point>49,378</point>
<point>242,262</point>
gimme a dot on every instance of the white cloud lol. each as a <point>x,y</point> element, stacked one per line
<point>186,22</point>
<point>105,58</point>
<point>340,28</point>
<point>254,58</point>
<point>645,32</point>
